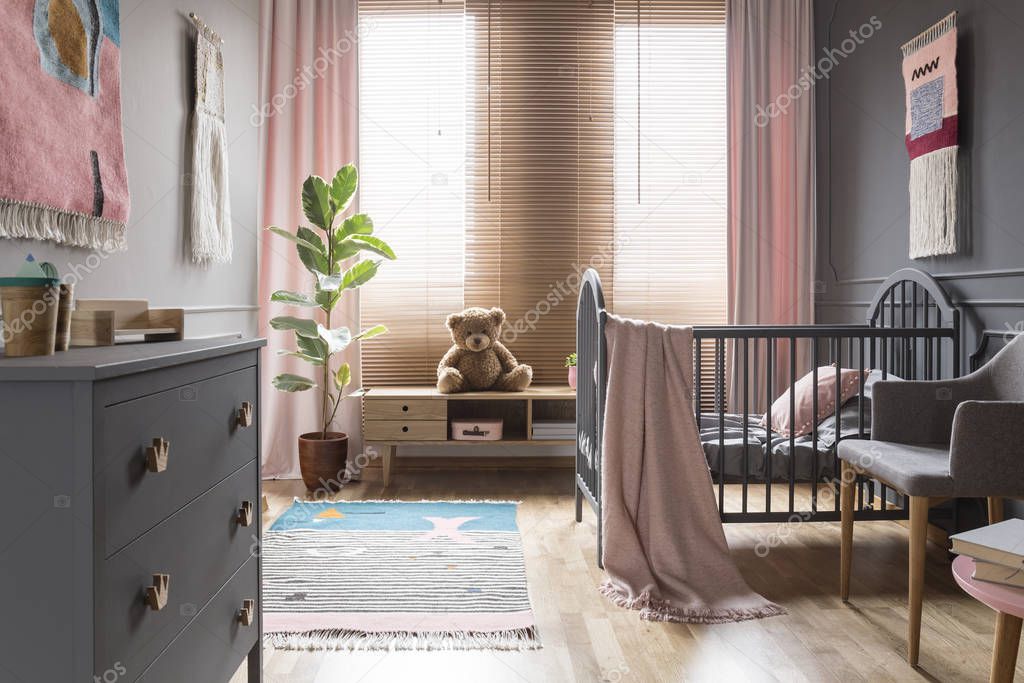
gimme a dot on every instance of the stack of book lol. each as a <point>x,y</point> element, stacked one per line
<point>554,430</point>
<point>998,552</point>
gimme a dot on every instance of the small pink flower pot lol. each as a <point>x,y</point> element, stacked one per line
<point>572,377</point>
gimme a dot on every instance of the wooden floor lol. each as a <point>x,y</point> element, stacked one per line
<point>587,639</point>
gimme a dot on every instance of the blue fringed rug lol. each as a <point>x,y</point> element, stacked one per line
<point>395,575</point>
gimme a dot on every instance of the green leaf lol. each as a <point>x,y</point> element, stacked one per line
<point>303,328</point>
<point>344,186</point>
<point>374,244</point>
<point>283,296</point>
<point>337,339</point>
<point>374,331</point>
<point>315,257</point>
<point>360,224</point>
<point>315,347</point>
<point>359,274</point>
<point>316,202</point>
<point>301,356</point>
<point>328,283</point>
<point>328,300</point>
<point>343,377</point>
<point>344,248</point>
<point>318,247</point>
<point>292,383</point>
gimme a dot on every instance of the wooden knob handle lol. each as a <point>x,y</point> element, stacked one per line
<point>244,516</point>
<point>156,455</point>
<point>156,595</point>
<point>245,415</point>
<point>247,615</point>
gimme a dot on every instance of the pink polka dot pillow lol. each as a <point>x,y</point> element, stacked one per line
<point>804,418</point>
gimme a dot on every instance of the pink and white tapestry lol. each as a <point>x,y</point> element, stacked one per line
<point>62,168</point>
<point>929,73</point>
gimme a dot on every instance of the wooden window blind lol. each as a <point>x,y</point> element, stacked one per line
<point>412,120</point>
<point>670,164</point>
<point>539,166</point>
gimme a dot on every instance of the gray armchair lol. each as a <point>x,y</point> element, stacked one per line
<point>938,440</point>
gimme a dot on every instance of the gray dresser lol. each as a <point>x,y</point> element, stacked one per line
<point>130,514</point>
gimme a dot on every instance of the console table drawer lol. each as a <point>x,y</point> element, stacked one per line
<point>205,441</point>
<point>406,430</point>
<point>216,642</point>
<point>199,549</point>
<point>413,409</point>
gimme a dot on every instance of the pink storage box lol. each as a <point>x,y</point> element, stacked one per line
<point>483,429</point>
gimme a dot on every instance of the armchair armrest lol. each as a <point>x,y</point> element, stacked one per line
<point>919,411</point>
<point>987,448</point>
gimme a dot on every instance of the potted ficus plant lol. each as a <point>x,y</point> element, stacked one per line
<point>570,362</point>
<point>323,453</point>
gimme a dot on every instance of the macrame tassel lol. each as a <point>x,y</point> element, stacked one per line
<point>34,221</point>
<point>211,204</point>
<point>934,180</point>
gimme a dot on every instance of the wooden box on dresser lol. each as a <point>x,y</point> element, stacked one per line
<point>130,514</point>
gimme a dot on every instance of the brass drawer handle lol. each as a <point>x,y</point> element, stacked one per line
<point>244,516</point>
<point>246,615</point>
<point>245,415</point>
<point>156,455</point>
<point>156,595</point>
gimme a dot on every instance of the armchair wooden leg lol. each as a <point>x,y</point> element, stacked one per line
<point>918,546</point>
<point>847,484</point>
<point>995,509</point>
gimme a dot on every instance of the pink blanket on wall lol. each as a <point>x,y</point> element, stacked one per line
<point>665,551</point>
<point>62,168</point>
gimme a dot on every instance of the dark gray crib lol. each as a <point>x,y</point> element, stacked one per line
<point>912,331</point>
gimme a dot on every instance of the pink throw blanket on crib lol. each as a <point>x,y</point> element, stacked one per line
<point>664,550</point>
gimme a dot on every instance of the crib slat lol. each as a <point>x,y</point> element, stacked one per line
<point>814,428</point>
<point>835,446</point>
<point>792,423</point>
<point>720,400</point>
<point>744,368</point>
<point>769,367</point>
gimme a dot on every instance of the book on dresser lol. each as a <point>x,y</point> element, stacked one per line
<point>997,549</point>
<point>132,500</point>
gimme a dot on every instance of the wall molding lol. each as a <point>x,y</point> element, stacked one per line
<point>230,308</point>
<point>986,303</point>
<point>964,275</point>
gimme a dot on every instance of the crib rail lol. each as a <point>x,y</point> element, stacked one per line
<point>912,332</point>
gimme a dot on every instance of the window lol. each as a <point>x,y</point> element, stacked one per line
<point>507,146</point>
<point>412,129</point>
<point>670,161</point>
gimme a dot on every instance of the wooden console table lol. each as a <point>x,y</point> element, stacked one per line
<point>395,416</point>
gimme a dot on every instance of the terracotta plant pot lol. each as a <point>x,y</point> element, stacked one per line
<point>572,377</point>
<point>323,461</point>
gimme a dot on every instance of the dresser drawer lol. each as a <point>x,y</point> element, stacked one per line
<point>198,548</point>
<point>398,409</point>
<point>406,430</point>
<point>214,645</point>
<point>205,441</point>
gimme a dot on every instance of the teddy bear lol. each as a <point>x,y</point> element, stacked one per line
<point>478,361</point>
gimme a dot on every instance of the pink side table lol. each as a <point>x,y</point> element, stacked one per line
<point>1008,602</point>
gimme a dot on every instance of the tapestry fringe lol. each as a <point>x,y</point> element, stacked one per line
<point>934,183</point>
<point>211,207</point>
<point>350,640</point>
<point>944,26</point>
<point>28,220</point>
<point>660,610</point>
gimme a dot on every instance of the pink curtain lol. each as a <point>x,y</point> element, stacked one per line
<point>771,214</point>
<point>309,123</point>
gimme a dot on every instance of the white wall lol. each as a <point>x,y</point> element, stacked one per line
<point>157,95</point>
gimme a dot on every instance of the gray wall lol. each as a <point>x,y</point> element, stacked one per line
<point>157,78</point>
<point>863,192</point>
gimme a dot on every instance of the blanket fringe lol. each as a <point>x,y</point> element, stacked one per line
<point>350,640</point>
<point>934,183</point>
<point>29,220</point>
<point>661,610</point>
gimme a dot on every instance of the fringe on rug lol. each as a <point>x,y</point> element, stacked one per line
<point>934,184</point>
<point>659,610</point>
<point>296,499</point>
<point>350,640</point>
<point>27,220</point>
<point>211,204</point>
